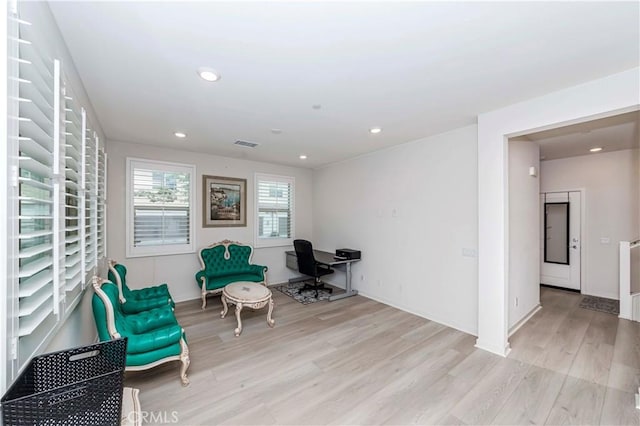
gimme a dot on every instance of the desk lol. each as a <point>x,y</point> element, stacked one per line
<point>328,259</point>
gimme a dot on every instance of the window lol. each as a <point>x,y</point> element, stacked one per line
<point>160,198</point>
<point>274,201</point>
<point>45,198</point>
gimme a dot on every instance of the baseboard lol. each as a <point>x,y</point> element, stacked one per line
<point>421,315</point>
<point>503,352</point>
<point>526,318</point>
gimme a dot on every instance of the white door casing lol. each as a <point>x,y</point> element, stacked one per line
<point>561,274</point>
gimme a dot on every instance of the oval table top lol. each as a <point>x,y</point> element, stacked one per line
<point>246,292</point>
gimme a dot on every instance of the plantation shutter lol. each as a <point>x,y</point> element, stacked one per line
<point>73,199</point>
<point>161,201</point>
<point>38,165</point>
<point>90,201</point>
<point>101,203</point>
<point>275,208</point>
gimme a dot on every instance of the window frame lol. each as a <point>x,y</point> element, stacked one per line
<point>166,249</point>
<point>274,241</point>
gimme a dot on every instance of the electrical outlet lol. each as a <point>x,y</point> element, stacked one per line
<point>516,301</point>
<point>361,277</point>
<point>469,252</point>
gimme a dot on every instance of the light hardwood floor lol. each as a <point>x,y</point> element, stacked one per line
<point>360,362</point>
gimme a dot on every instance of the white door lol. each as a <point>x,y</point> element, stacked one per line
<point>560,239</point>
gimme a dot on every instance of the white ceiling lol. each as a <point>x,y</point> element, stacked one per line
<point>413,68</point>
<point>611,134</point>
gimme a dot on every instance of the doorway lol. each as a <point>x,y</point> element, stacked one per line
<point>560,234</point>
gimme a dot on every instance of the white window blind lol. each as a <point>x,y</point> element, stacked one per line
<point>101,204</point>
<point>73,199</point>
<point>275,213</point>
<point>160,208</point>
<point>38,147</point>
<point>45,155</point>
<point>90,196</point>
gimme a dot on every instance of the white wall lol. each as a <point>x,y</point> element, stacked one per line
<point>79,328</point>
<point>610,181</point>
<point>410,209</point>
<point>611,95</point>
<point>524,233</point>
<point>178,270</point>
<point>524,230</point>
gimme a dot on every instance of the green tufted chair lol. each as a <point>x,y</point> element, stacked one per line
<point>135,301</point>
<point>154,336</point>
<point>224,263</point>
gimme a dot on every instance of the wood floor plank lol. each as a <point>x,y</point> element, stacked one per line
<point>579,403</point>
<point>485,400</point>
<point>627,350</point>
<point>562,348</point>
<point>623,378</point>
<point>619,409</point>
<point>531,401</point>
<point>358,361</point>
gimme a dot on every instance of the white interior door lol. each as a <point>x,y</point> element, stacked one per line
<point>560,239</point>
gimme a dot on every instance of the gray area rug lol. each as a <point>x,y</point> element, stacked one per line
<point>601,304</point>
<point>306,297</point>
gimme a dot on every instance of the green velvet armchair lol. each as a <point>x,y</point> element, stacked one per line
<point>224,263</point>
<point>154,336</point>
<point>140,300</point>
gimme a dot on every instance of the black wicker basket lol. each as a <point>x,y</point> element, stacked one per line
<point>81,386</point>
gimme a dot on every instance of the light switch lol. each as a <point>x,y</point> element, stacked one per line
<point>605,240</point>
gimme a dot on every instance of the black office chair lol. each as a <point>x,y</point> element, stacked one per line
<point>307,265</point>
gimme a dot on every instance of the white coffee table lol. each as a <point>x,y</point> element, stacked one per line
<point>246,294</point>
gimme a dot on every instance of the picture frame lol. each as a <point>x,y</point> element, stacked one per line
<point>224,201</point>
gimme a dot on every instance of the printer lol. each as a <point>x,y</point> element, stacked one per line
<point>346,253</point>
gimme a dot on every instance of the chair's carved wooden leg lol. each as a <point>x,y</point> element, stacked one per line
<point>204,300</point>
<point>238,310</point>
<point>270,322</point>
<point>184,358</point>
<point>225,307</point>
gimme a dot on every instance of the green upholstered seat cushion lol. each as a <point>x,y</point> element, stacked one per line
<point>219,282</point>
<point>154,339</point>
<point>151,319</point>
<point>132,306</point>
<point>153,292</point>
<point>137,359</point>
<point>150,334</point>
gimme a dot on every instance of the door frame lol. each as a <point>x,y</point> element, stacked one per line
<point>583,219</point>
<point>603,97</point>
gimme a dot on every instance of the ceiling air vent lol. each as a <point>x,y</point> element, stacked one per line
<point>247,144</point>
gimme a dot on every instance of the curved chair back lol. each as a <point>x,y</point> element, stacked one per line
<point>229,256</point>
<point>118,275</point>
<point>106,308</point>
<point>306,260</point>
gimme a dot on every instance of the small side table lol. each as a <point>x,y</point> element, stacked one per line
<point>246,294</point>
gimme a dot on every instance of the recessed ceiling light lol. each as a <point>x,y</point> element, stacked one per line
<point>276,131</point>
<point>303,157</point>
<point>180,135</point>
<point>208,74</point>
<point>375,130</point>
<point>596,149</point>
<point>316,106</point>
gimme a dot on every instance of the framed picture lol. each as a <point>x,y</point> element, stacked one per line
<point>224,201</point>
